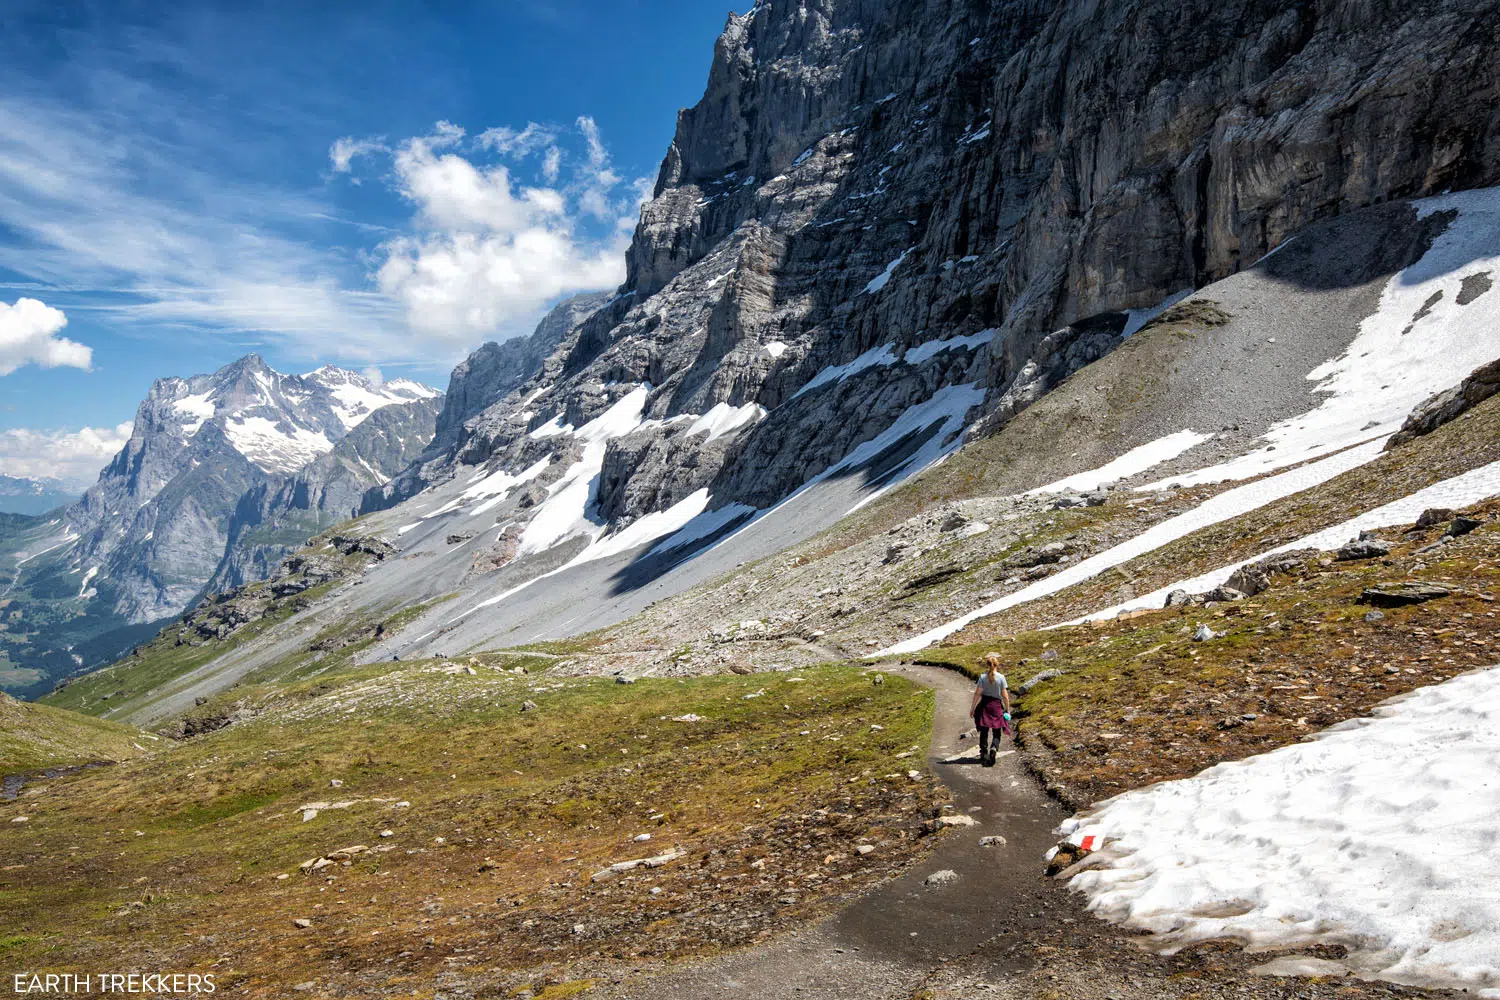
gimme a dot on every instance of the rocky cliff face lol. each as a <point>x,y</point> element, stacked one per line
<point>885,209</point>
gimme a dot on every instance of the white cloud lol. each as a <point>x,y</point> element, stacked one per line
<point>28,336</point>
<point>487,251</point>
<point>75,457</point>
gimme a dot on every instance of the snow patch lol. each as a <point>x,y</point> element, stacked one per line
<point>263,442</point>
<point>879,281</point>
<point>1372,835</point>
<point>722,419</point>
<point>1458,491</point>
<point>1419,341</point>
<point>195,410</point>
<point>1132,463</point>
<point>918,353</point>
<point>775,348</point>
<point>1229,504</point>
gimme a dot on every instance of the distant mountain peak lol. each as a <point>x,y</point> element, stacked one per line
<point>278,422</point>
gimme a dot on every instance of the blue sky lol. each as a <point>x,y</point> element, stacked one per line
<point>368,184</point>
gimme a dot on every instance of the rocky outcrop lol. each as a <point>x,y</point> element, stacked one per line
<point>866,178</point>
<point>1449,404</point>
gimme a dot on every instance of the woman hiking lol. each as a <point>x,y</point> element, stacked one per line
<point>991,709</point>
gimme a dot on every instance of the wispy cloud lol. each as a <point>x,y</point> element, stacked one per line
<point>132,215</point>
<point>75,457</point>
<point>28,336</point>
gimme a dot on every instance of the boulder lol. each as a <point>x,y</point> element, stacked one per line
<point>1433,515</point>
<point>1461,526</point>
<point>1402,593</point>
<point>1362,548</point>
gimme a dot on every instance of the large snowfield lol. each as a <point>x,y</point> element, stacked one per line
<point>1379,834</point>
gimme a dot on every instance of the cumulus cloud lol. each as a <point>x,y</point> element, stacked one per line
<point>74,457</point>
<point>487,249</point>
<point>28,336</point>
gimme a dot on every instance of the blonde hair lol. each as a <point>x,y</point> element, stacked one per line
<point>993,660</point>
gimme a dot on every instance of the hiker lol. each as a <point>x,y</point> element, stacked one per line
<point>991,709</point>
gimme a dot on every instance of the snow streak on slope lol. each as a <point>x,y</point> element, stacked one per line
<point>1375,835</point>
<point>1229,504</point>
<point>566,512</point>
<point>944,414</point>
<point>1429,331</point>
<point>1133,462</point>
<point>1459,491</point>
<point>886,355</point>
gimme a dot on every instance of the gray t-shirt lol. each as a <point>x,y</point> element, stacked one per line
<point>990,688</point>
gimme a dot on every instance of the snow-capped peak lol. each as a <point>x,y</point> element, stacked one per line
<point>280,422</point>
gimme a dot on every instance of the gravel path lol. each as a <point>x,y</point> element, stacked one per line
<point>885,944</point>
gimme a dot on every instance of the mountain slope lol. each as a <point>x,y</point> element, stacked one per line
<point>816,311</point>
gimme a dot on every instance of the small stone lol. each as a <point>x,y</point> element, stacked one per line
<point>528,706</point>
<point>622,679</point>
<point>387,833</point>
<point>335,783</point>
<point>865,849</point>
<point>1375,616</point>
<point>956,819</point>
<point>577,929</point>
<point>1179,599</point>
<point>641,838</point>
<point>20,819</point>
<point>941,877</point>
<point>302,922</point>
<point>1203,634</point>
<point>992,841</point>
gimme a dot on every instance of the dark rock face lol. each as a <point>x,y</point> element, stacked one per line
<point>872,175</point>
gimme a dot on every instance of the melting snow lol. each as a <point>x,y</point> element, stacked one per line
<point>885,355</point>
<point>1231,503</point>
<point>1457,491</point>
<point>566,511</point>
<point>918,353</point>
<point>775,348</point>
<point>879,281</point>
<point>722,418</point>
<point>1133,462</point>
<point>1419,341</point>
<point>1376,835</point>
<point>882,356</point>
